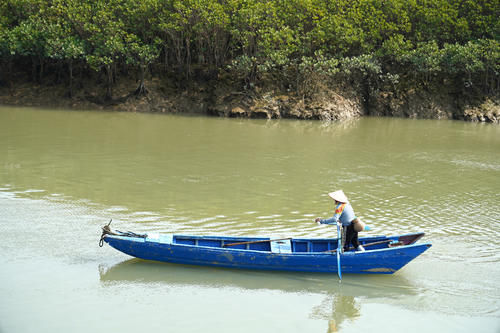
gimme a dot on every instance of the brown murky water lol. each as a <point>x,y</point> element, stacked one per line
<point>64,174</point>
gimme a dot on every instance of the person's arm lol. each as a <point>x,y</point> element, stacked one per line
<point>331,220</point>
<point>335,218</point>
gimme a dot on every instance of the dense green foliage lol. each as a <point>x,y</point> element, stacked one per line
<point>295,43</point>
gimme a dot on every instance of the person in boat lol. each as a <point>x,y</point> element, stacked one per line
<point>344,214</point>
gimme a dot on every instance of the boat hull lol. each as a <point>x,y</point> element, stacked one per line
<point>385,260</point>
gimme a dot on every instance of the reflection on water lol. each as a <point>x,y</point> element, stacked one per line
<point>341,308</point>
<point>339,299</point>
<point>142,271</point>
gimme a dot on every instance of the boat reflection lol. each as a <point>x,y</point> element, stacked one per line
<point>143,271</point>
<point>339,299</point>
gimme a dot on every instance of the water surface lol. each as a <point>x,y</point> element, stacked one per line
<point>64,174</point>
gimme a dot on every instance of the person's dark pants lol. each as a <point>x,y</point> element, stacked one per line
<point>351,237</point>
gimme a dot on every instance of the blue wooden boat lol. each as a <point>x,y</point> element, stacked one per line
<point>383,255</point>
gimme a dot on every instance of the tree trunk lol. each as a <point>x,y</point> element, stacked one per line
<point>141,89</point>
<point>109,88</point>
<point>70,64</point>
<point>33,69</point>
<point>41,70</point>
<point>166,58</point>
<point>188,58</point>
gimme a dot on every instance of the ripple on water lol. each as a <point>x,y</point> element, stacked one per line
<point>476,165</point>
<point>117,209</point>
<point>452,288</point>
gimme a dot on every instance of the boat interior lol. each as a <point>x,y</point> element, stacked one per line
<point>283,245</point>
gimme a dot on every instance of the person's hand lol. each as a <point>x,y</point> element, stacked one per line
<point>317,220</point>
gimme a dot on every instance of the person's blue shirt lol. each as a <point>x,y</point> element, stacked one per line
<point>345,218</point>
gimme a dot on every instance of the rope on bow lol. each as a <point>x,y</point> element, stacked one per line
<point>106,230</point>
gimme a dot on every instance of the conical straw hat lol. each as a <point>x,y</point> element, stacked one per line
<point>338,196</point>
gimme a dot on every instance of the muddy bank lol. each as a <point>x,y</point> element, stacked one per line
<point>220,98</point>
<point>437,105</point>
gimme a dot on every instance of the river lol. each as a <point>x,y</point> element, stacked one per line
<point>65,174</point>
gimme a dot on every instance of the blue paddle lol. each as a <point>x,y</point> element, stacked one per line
<point>339,247</point>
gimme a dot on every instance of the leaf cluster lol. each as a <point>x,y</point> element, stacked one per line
<point>295,42</point>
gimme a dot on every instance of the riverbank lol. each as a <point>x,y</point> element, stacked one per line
<point>258,59</point>
<point>221,98</point>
